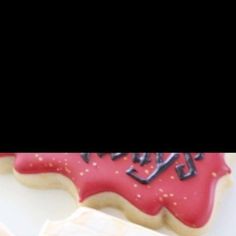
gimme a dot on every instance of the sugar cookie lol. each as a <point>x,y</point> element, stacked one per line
<point>179,189</point>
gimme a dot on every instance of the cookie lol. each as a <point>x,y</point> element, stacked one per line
<point>152,189</point>
<point>85,222</point>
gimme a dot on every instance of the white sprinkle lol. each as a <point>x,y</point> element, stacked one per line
<point>214,174</point>
<point>67,170</point>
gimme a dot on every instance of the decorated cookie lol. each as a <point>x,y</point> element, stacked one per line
<point>85,222</point>
<point>178,188</point>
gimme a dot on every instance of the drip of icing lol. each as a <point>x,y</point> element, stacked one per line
<point>104,173</point>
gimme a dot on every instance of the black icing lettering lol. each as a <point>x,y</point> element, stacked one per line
<point>161,166</point>
<point>101,154</point>
<point>85,156</point>
<point>199,156</point>
<point>143,159</point>
<point>191,166</point>
<point>117,155</point>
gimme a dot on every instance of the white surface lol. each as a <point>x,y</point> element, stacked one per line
<point>24,210</point>
<point>4,231</point>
